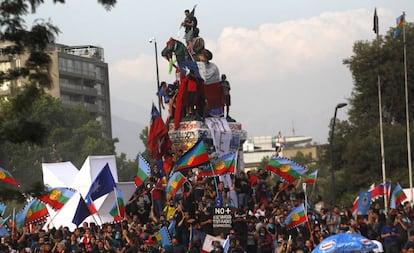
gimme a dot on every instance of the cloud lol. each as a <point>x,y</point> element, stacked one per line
<point>131,68</point>
<point>291,46</point>
<point>283,74</point>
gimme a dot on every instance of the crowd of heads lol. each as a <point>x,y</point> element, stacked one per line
<point>259,212</point>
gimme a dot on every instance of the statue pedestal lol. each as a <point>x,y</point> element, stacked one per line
<point>189,132</point>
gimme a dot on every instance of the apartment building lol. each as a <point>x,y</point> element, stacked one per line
<point>79,76</point>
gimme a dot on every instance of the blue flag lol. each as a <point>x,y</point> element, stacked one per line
<point>364,202</point>
<point>2,208</point>
<point>161,171</point>
<point>192,12</point>
<point>171,227</point>
<point>400,25</point>
<point>3,231</point>
<point>163,236</point>
<point>103,184</point>
<point>82,212</point>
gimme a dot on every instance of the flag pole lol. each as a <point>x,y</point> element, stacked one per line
<point>52,218</point>
<point>190,244</point>
<point>376,30</point>
<point>119,210</point>
<point>306,197</point>
<point>93,215</point>
<point>160,104</point>
<point>214,179</point>
<point>14,223</point>
<point>407,116</point>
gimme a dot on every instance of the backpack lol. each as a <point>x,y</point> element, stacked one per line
<point>196,31</point>
<point>195,21</point>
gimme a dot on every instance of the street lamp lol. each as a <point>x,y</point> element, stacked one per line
<point>152,39</point>
<point>340,105</point>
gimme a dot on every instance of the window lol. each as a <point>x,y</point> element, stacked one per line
<point>99,89</point>
<point>77,65</point>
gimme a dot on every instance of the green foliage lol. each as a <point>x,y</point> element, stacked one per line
<point>306,161</point>
<point>127,169</point>
<point>72,136</point>
<point>357,146</point>
<point>144,138</point>
<point>18,121</point>
<point>35,128</point>
<point>263,163</point>
<point>16,40</point>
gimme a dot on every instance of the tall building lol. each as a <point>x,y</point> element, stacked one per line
<point>79,76</point>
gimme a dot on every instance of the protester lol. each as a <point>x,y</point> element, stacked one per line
<point>390,236</point>
<point>189,23</point>
<point>255,228</point>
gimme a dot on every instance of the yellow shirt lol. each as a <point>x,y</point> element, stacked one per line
<point>169,212</point>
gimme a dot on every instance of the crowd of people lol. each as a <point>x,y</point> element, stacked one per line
<point>258,225</point>
<point>259,207</point>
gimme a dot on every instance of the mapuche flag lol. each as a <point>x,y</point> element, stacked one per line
<point>224,164</point>
<point>174,183</point>
<point>35,211</point>
<point>397,197</point>
<point>311,179</point>
<point>143,172</point>
<point>400,25</point>
<point>118,209</point>
<point>285,168</point>
<point>5,176</point>
<point>195,156</point>
<point>57,197</point>
<point>296,217</point>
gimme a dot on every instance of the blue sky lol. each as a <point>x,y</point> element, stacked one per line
<point>283,58</point>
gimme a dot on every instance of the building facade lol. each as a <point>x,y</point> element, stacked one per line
<point>259,147</point>
<point>79,76</point>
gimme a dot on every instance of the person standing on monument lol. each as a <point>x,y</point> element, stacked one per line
<point>225,86</point>
<point>189,23</point>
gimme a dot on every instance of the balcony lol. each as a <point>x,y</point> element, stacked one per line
<point>77,89</point>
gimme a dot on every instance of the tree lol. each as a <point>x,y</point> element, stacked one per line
<point>15,40</point>
<point>143,136</point>
<point>306,161</point>
<point>263,163</point>
<point>72,136</point>
<point>357,141</point>
<point>127,169</point>
<point>27,137</point>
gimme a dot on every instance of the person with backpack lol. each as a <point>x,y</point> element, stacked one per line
<point>190,24</point>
